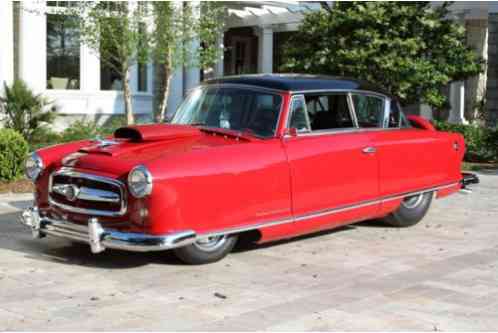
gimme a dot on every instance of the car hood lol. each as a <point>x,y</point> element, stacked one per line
<point>134,145</point>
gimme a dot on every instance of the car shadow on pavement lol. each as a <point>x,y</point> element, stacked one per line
<point>247,243</point>
<point>15,237</point>
<point>20,204</point>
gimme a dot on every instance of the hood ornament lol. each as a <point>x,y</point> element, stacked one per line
<point>102,143</point>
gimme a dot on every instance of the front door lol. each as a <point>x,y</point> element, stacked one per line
<point>334,168</point>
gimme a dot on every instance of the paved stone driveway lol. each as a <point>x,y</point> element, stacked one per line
<point>439,275</point>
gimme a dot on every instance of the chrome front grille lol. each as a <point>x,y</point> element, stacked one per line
<point>88,194</point>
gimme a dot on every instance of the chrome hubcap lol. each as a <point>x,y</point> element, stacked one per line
<point>210,243</point>
<point>412,201</point>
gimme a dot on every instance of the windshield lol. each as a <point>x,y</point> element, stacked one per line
<point>239,109</point>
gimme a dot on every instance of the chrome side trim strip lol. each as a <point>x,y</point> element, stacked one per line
<point>324,212</point>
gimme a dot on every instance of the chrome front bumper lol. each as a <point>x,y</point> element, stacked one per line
<point>100,238</point>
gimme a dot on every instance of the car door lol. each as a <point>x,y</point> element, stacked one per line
<point>410,159</point>
<point>333,167</point>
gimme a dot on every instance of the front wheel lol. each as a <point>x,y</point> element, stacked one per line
<point>206,250</point>
<point>411,210</point>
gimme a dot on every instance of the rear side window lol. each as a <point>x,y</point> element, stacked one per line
<point>369,110</point>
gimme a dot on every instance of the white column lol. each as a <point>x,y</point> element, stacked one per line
<point>457,101</point>
<point>7,42</point>
<point>33,45</point>
<point>89,69</point>
<point>192,73</point>
<point>219,66</point>
<point>265,50</point>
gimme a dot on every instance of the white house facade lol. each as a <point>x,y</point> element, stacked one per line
<point>42,50</point>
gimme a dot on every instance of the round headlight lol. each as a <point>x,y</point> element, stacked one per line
<point>140,181</point>
<point>33,166</point>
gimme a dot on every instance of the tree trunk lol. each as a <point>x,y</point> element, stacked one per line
<point>130,118</point>
<point>163,106</point>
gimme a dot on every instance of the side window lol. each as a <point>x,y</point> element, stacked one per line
<point>404,122</point>
<point>369,110</point>
<point>299,115</point>
<point>330,111</point>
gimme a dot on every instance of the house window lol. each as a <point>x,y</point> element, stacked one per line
<point>142,64</point>
<point>63,52</point>
<point>110,73</point>
<point>61,3</point>
<point>142,77</point>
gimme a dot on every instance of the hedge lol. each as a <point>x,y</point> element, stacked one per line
<point>13,152</point>
<point>481,142</point>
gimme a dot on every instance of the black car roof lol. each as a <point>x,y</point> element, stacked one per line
<point>299,82</point>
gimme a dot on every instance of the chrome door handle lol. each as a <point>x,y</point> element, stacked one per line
<point>369,150</point>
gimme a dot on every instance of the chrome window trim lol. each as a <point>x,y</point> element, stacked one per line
<point>295,98</point>
<point>70,172</point>
<point>325,212</point>
<point>346,130</point>
<point>355,129</point>
<point>352,110</point>
<point>352,91</point>
<point>387,113</point>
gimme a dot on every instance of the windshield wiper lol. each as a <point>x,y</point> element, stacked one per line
<point>223,131</point>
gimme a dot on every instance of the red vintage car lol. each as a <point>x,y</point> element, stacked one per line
<point>273,156</point>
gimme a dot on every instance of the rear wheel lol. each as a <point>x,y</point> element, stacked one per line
<point>411,210</point>
<point>206,250</point>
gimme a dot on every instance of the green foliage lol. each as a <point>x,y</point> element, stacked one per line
<point>411,49</point>
<point>481,142</point>
<point>78,130</point>
<point>44,137</point>
<point>84,130</point>
<point>124,33</point>
<point>24,111</point>
<point>176,30</point>
<point>177,26</point>
<point>13,152</point>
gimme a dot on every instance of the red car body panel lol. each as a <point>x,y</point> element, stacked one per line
<point>282,187</point>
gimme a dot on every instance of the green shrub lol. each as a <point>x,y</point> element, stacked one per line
<point>80,130</point>
<point>13,152</point>
<point>112,124</point>
<point>83,130</point>
<point>44,137</point>
<point>481,142</point>
<point>24,111</point>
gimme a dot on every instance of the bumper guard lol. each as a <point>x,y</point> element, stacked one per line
<point>100,238</point>
<point>468,179</point>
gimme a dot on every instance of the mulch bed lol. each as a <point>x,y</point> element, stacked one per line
<point>18,186</point>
